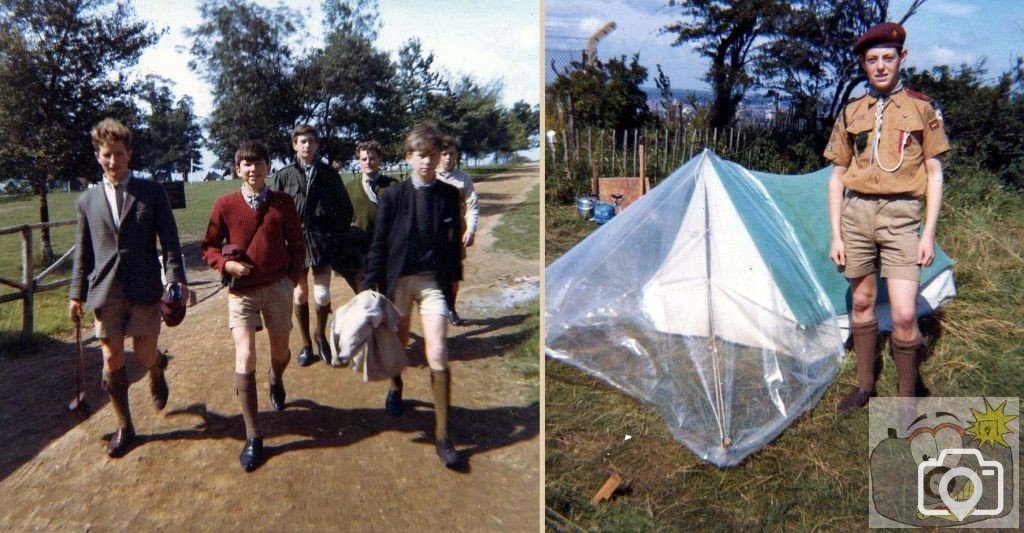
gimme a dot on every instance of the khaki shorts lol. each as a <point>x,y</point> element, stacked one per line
<point>273,302</point>
<point>422,289</point>
<point>120,318</point>
<point>880,229</point>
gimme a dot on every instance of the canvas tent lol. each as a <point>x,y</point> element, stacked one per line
<point>708,300</point>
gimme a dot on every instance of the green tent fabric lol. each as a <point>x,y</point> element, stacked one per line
<point>803,199</point>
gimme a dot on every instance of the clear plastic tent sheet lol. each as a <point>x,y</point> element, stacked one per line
<point>699,301</point>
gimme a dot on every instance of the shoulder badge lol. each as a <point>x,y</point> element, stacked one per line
<point>919,96</point>
<point>935,123</point>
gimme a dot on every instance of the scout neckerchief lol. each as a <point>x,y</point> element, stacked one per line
<point>883,100</point>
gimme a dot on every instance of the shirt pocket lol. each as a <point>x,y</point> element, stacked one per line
<point>861,137</point>
<point>903,140</point>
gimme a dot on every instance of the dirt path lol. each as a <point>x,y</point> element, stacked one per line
<point>336,460</point>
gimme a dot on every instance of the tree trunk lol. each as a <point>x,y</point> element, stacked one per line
<point>44,216</point>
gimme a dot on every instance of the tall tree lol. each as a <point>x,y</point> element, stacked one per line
<point>69,62</point>
<point>811,61</point>
<point>602,94</point>
<point>346,89</point>
<point>169,137</point>
<point>242,51</point>
<point>353,16</point>
<point>418,82</point>
<point>728,34</point>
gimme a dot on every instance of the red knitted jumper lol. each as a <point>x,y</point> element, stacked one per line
<point>275,248</point>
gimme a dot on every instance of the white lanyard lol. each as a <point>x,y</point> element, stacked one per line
<point>879,110</point>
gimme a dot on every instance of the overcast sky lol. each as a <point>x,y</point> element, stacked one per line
<point>488,39</point>
<point>942,32</point>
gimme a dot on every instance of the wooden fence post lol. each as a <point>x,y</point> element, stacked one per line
<point>26,278</point>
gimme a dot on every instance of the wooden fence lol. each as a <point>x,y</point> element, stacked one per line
<point>576,156</point>
<point>30,284</point>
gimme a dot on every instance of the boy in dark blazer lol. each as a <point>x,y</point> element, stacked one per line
<point>116,271</point>
<point>326,213</point>
<point>415,255</point>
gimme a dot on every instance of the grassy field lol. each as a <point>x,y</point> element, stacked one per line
<point>518,233</point>
<point>814,476</point>
<point>518,230</point>
<point>50,308</point>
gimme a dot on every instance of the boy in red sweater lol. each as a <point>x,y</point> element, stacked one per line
<point>264,255</point>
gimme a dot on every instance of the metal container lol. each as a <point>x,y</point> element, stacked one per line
<point>585,207</point>
<point>603,212</point>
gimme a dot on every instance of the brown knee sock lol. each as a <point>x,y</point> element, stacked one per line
<point>302,317</point>
<point>905,354</point>
<point>440,381</point>
<point>245,388</point>
<point>277,369</point>
<point>321,321</point>
<point>115,383</point>
<point>455,293</point>
<point>396,383</point>
<point>865,340</point>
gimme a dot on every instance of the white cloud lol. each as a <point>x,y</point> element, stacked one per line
<point>935,55</point>
<point>953,9</point>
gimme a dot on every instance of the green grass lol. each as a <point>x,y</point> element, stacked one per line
<point>518,230</point>
<point>524,357</point>
<point>483,172</point>
<point>814,476</point>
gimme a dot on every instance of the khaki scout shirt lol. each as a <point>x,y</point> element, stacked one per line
<point>909,117</point>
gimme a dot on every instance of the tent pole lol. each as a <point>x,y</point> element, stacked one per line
<point>719,399</point>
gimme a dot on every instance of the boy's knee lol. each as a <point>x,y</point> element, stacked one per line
<point>321,295</point>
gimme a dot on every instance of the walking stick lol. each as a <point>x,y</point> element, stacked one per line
<point>78,405</point>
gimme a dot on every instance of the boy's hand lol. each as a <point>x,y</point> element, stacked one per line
<point>75,310</point>
<point>838,252</point>
<point>925,251</point>
<point>237,269</point>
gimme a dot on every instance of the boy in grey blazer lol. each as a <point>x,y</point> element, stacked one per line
<point>116,271</point>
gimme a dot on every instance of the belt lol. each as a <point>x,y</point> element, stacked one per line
<point>886,197</point>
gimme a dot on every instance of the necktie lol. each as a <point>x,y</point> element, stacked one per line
<point>119,198</point>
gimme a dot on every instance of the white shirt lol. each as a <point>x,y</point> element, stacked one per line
<point>110,192</point>
<point>471,208</point>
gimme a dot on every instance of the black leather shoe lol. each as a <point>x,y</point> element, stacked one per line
<point>306,356</point>
<point>448,454</point>
<point>393,403</point>
<point>277,395</point>
<point>325,350</point>
<point>121,442</point>
<point>856,399</point>
<point>158,389</point>
<point>252,454</point>
<point>454,318</point>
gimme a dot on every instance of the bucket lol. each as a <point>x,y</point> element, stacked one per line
<point>584,207</point>
<point>603,212</point>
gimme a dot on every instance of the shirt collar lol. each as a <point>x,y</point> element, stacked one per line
<point>421,185</point>
<point>894,95</point>
<point>124,181</point>
<point>261,194</point>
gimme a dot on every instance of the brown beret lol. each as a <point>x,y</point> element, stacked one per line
<point>884,35</point>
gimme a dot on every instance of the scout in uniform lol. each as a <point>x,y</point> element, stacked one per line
<point>886,149</point>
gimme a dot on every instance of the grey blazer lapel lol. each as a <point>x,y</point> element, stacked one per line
<point>129,199</point>
<point>101,204</point>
